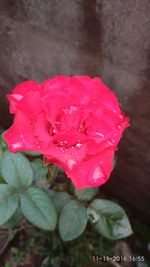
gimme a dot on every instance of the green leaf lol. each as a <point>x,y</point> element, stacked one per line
<point>86,194</point>
<point>3,144</point>
<point>31,153</point>
<point>14,220</point>
<point>16,170</point>
<point>110,219</point>
<point>39,170</point>
<point>60,199</point>
<point>8,202</point>
<point>1,178</point>
<point>72,221</point>
<point>38,208</point>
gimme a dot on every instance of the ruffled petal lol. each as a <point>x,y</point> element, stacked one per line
<point>20,135</point>
<point>92,172</point>
<point>67,157</point>
<point>19,92</point>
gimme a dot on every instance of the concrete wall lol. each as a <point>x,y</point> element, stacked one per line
<point>40,39</point>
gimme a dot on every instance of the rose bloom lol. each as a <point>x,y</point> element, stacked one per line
<point>75,122</point>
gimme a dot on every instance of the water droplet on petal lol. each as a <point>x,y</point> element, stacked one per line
<point>61,143</point>
<point>111,142</point>
<point>72,109</point>
<point>100,134</point>
<point>97,173</point>
<point>78,145</point>
<point>71,163</point>
<point>53,131</point>
<point>15,146</point>
<point>38,143</point>
<point>96,177</point>
<point>21,137</point>
<point>17,96</point>
<point>119,127</point>
<point>121,117</point>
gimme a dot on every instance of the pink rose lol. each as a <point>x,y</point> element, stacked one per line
<point>76,122</point>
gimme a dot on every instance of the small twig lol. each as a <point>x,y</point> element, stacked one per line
<point>4,247</point>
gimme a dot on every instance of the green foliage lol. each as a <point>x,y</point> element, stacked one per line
<point>8,202</point>
<point>17,257</point>
<point>31,153</point>
<point>3,145</point>
<point>38,208</point>
<point>39,170</point>
<point>28,189</point>
<point>75,253</point>
<point>86,194</point>
<point>16,170</point>
<point>1,178</point>
<point>72,220</point>
<point>109,219</point>
<point>14,220</point>
<point>59,199</point>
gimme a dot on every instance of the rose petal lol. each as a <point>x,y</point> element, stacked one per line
<point>20,135</point>
<point>75,122</point>
<point>19,92</point>
<point>66,157</point>
<point>92,172</point>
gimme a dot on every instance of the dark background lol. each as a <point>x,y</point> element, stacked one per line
<point>111,39</point>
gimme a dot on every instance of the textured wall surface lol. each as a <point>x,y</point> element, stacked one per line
<point>111,39</point>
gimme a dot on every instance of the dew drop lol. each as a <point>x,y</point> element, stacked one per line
<point>17,96</point>
<point>97,173</point>
<point>61,143</point>
<point>38,143</point>
<point>53,131</point>
<point>78,145</point>
<point>72,109</point>
<point>71,163</point>
<point>100,134</point>
<point>96,177</point>
<point>16,146</point>
<point>65,142</point>
<point>119,127</point>
<point>111,142</point>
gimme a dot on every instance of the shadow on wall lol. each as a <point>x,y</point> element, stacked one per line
<point>41,39</point>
